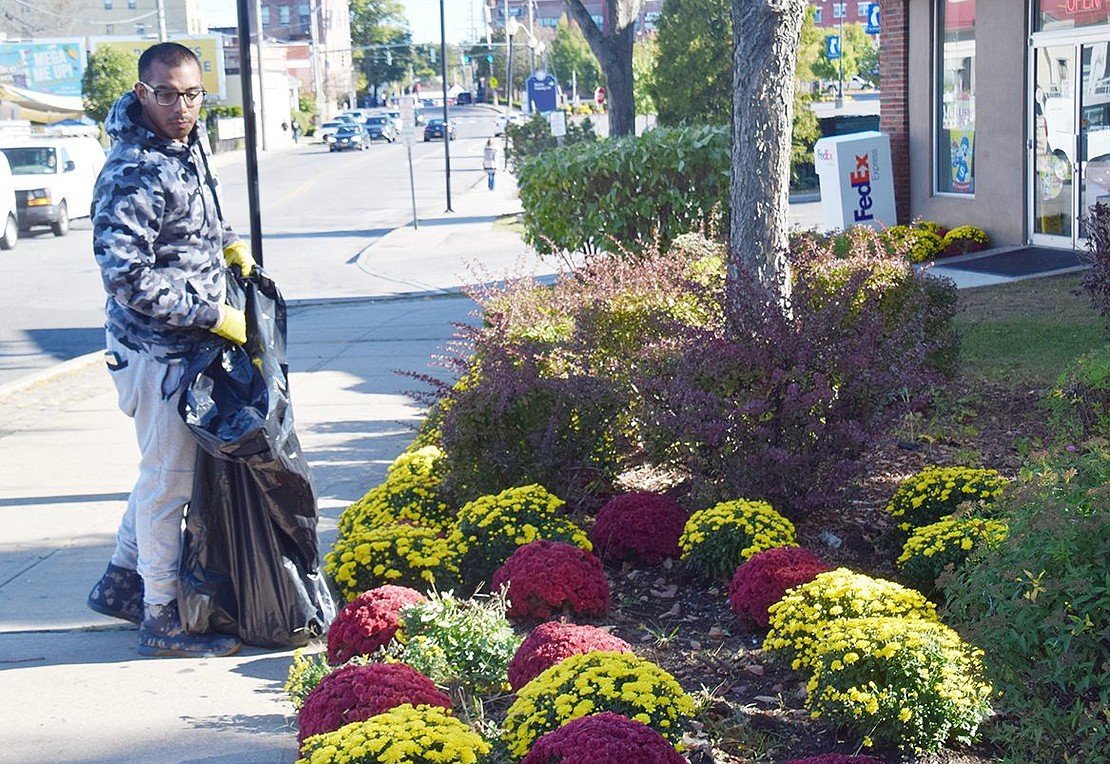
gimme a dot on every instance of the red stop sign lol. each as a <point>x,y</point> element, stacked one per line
<point>599,96</point>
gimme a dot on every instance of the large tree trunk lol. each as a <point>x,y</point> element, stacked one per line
<point>765,50</point>
<point>613,48</point>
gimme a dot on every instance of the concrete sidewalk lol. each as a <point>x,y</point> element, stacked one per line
<point>72,686</point>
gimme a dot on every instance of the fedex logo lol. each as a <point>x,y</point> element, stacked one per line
<point>860,179</point>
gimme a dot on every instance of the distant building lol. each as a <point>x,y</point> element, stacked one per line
<point>283,22</point>
<point>290,26</point>
<point>830,13</point>
<point>546,13</point>
<point>125,18</point>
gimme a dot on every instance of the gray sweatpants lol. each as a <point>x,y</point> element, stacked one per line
<point>149,536</point>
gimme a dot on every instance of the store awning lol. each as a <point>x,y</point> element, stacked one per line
<point>42,108</point>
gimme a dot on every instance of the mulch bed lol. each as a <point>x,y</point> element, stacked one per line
<point>686,626</point>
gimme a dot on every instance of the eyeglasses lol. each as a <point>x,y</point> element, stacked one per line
<point>168,97</point>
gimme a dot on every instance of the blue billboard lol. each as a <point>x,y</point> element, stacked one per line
<point>44,67</point>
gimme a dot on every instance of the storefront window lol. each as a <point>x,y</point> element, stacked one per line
<point>956,120</point>
<point>1072,14</point>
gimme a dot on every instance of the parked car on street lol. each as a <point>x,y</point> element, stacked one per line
<point>353,136</point>
<point>513,119</point>
<point>330,128</point>
<point>53,179</point>
<point>381,127</point>
<point>9,217</point>
<point>437,128</point>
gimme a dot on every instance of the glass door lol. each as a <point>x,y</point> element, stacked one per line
<point>1071,139</point>
<point>1054,145</point>
<point>1094,131</point>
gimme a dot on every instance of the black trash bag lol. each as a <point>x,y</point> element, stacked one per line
<point>250,561</point>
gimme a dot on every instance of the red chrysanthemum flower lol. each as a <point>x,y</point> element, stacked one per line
<point>368,622</point>
<point>639,526</point>
<point>355,693</point>
<point>602,739</point>
<point>837,758</point>
<point>764,578</point>
<point>548,577</point>
<point>552,642</point>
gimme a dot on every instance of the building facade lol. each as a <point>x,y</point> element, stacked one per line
<point>831,13</point>
<point>546,13</point>
<point>999,114</point>
<point>125,18</point>
<point>330,67</point>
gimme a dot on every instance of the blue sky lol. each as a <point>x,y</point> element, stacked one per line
<point>423,15</point>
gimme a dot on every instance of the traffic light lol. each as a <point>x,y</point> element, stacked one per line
<point>489,57</point>
<point>466,58</point>
<point>389,58</point>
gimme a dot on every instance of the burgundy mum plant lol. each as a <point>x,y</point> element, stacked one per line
<point>836,758</point>
<point>551,642</point>
<point>764,578</point>
<point>549,577</point>
<point>368,622</point>
<point>602,739</point>
<point>641,526</point>
<point>357,692</point>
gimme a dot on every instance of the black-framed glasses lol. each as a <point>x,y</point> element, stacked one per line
<point>168,96</point>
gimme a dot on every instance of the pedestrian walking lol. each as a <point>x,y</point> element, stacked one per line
<point>296,131</point>
<point>489,162</point>
<point>163,248</point>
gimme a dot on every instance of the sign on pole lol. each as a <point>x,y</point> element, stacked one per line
<point>541,92</point>
<point>873,18</point>
<point>558,122</point>
<point>832,47</point>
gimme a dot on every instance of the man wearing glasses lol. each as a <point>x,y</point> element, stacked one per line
<point>162,245</point>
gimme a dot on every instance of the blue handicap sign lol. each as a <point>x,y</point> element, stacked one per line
<point>873,18</point>
<point>832,47</point>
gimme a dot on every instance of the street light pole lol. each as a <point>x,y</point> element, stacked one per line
<point>840,59</point>
<point>446,124</point>
<point>510,30</point>
<point>253,196</point>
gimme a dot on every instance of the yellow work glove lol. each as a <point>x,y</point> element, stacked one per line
<point>239,254</point>
<point>232,325</point>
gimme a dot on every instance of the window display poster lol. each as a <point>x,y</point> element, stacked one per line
<point>962,153</point>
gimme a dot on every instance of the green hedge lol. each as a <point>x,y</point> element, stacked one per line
<point>622,194</point>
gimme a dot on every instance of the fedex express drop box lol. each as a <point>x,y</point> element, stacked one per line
<point>857,186</point>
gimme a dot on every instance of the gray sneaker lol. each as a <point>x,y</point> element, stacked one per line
<point>161,633</point>
<point>119,594</point>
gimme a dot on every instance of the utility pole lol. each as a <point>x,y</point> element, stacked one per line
<point>840,59</point>
<point>446,124</point>
<point>253,197</point>
<point>261,70</point>
<point>531,39</point>
<point>317,66</point>
<point>162,36</point>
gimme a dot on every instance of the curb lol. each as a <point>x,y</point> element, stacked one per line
<point>50,374</point>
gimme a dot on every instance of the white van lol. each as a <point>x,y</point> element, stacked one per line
<point>9,223</point>
<point>54,179</point>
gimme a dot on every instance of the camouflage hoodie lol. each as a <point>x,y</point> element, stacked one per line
<point>158,237</point>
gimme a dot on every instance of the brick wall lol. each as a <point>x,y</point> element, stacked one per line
<point>894,113</point>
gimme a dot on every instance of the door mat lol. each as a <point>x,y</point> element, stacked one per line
<point>1021,262</point>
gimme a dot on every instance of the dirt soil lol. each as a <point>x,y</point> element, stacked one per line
<point>757,703</point>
